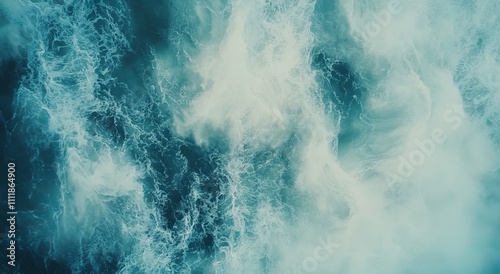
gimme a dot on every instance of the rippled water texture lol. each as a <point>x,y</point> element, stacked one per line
<point>258,136</point>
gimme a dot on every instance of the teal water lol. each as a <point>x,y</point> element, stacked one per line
<point>260,136</point>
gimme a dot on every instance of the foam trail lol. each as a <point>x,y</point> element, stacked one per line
<point>259,93</point>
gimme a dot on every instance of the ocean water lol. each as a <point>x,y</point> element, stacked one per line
<point>261,136</point>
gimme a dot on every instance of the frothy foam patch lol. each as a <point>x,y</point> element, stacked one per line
<point>229,159</point>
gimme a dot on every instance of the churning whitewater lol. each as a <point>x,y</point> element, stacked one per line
<point>258,136</point>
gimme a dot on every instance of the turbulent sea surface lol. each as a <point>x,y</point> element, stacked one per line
<point>257,136</point>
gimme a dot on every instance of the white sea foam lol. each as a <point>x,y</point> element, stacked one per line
<point>230,160</point>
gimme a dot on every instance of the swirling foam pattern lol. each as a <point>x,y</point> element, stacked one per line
<point>261,136</point>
